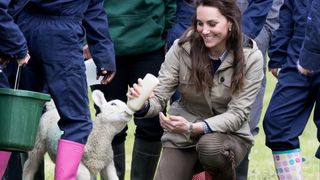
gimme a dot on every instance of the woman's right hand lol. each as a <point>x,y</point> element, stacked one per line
<point>134,91</point>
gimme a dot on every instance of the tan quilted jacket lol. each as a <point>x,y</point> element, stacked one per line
<point>223,111</point>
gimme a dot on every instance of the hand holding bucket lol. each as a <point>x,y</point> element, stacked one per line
<point>20,113</point>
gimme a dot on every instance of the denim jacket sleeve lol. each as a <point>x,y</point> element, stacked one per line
<point>310,52</point>
<point>98,37</point>
<point>13,44</point>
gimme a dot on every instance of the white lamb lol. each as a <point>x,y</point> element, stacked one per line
<point>98,154</point>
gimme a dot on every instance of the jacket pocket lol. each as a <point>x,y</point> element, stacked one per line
<point>225,79</point>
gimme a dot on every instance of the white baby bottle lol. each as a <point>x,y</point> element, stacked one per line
<point>149,82</point>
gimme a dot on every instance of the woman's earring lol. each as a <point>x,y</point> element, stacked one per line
<point>229,28</point>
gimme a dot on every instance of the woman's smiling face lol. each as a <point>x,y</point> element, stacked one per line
<point>213,27</point>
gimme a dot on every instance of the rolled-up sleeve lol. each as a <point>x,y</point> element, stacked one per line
<point>98,36</point>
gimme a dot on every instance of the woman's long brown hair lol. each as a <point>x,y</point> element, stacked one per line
<point>201,72</point>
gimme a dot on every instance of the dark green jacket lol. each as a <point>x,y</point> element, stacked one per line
<point>139,26</point>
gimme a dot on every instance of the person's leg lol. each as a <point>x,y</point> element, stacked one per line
<point>117,89</point>
<point>14,169</point>
<point>145,157</point>
<point>176,164</point>
<point>4,159</point>
<point>221,153</point>
<point>119,157</point>
<point>63,71</point>
<point>288,164</point>
<point>242,169</point>
<point>147,145</point>
<point>69,92</point>
<point>255,114</point>
<point>285,119</point>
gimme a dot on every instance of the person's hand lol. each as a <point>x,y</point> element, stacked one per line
<point>274,72</point>
<point>3,61</point>
<point>86,52</point>
<point>107,76</point>
<point>24,60</point>
<point>174,124</point>
<point>134,91</point>
<point>303,70</point>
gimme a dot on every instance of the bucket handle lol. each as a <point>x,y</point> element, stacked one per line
<point>17,80</point>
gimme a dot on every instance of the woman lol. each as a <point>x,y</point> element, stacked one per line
<point>208,127</point>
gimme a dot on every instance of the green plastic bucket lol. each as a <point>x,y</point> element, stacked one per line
<point>20,113</point>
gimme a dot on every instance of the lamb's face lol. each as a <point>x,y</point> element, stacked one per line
<point>115,111</point>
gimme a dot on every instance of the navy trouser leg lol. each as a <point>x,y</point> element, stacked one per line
<point>288,111</point>
<point>55,45</point>
<point>69,92</point>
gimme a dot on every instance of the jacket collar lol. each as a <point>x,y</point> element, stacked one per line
<point>227,62</point>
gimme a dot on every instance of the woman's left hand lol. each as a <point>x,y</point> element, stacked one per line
<point>174,124</point>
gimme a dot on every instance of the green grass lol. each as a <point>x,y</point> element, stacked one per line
<point>261,163</point>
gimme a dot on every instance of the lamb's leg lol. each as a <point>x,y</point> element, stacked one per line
<point>32,164</point>
<point>109,172</point>
<point>83,173</point>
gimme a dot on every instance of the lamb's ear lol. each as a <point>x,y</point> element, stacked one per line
<point>98,98</point>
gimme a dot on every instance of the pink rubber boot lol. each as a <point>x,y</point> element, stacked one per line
<point>69,155</point>
<point>4,159</point>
